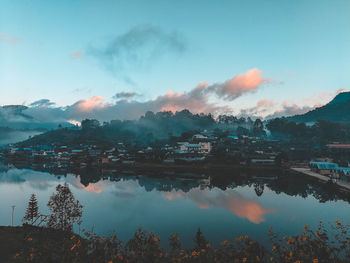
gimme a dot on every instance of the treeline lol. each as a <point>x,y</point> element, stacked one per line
<point>151,128</point>
<point>32,244</point>
<point>321,132</point>
<point>163,127</point>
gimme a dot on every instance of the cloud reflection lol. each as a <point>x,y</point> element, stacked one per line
<point>96,188</point>
<point>230,200</point>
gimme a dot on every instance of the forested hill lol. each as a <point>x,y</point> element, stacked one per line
<point>149,128</point>
<point>338,110</point>
<point>167,127</point>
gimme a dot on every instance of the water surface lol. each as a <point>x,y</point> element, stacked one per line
<point>166,206</point>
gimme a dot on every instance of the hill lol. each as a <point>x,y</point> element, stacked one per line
<point>338,110</point>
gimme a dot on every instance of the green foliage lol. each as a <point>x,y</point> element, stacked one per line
<point>65,209</point>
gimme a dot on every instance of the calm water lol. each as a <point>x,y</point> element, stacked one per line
<point>167,206</point>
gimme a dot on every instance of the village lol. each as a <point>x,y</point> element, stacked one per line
<point>201,149</point>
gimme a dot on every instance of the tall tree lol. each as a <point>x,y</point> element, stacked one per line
<point>200,241</point>
<point>65,209</point>
<point>32,212</point>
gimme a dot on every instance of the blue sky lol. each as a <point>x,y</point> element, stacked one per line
<point>303,47</point>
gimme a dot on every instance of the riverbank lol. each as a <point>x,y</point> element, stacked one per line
<point>342,185</point>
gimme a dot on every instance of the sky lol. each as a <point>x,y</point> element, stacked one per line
<point>120,58</point>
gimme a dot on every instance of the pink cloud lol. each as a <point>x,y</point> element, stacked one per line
<point>263,108</point>
<point>271,109</point>
<point>90,104</point>
<point>9,38</point>
<point>265,103</point>
<point>240,84</point>
<point>197,100</point>
<point>77,54</point>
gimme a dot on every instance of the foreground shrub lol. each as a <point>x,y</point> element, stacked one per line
<point>316,246</point>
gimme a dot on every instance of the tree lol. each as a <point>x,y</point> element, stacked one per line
<point>32,212</point>
<point>88,124</point>
<point>65,209</point>
<point>174,243</point>
<point>242,131</point>
<point>258,128</point>
<point>200,241</point>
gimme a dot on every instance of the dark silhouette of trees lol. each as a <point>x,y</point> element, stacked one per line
<point>65,209</point>
<point>174,243</point>
<point>258,128</point>
<point>88,124</point>
<point>321,132</point>
<point>32,211</point>
<point>242,131</point>
<point>200,242</point>
<point>259,188</point>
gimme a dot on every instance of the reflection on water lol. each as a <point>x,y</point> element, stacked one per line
<point>223,206</point>
<point>230,200</point>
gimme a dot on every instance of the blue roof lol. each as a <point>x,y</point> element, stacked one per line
<point>43,148</point>
<point>325,165</point>
<point>27,149</point>
<point>345,170</point>
<point>193,145</point>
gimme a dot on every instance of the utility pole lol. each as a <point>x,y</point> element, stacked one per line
<point>13,211</point>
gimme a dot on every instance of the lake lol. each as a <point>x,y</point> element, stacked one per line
<point>223,209</point>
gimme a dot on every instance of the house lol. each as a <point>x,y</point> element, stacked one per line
<point>338,146</point>
<point>324,168</point>
<point>77,151</point>
<point>198,137</point>
<point>188,157</point>
<point>344,171</point>
<point>182,146</point>
<point>205,147</point>
<point>103,160</point>
<point>202,147</point>
<point>262,161</point>
<point>193,147</point>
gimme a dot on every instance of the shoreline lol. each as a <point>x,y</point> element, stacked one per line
<point>342,185</point>
<point>194,170</point>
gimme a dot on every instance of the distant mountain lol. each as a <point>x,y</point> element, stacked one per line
<point>21,117</point>
<point>8,135</point>
<point>18,123</point>
<point>341,97</point>
<point>338,110</point>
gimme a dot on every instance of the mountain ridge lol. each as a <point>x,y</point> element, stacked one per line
<point>337,110</point>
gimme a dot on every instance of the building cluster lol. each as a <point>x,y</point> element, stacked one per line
<point>329,168</point>
<point>200,147</point>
